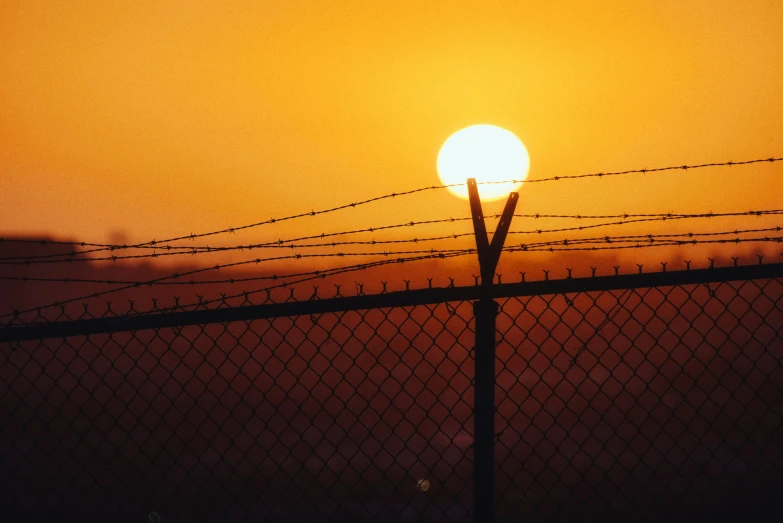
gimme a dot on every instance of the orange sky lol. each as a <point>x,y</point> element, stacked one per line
<point>169,117</point>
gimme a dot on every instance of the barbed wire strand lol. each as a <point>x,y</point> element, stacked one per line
<point>640,171</point>
<point>439,254</point>
<point>208,249</point>
<point>431,254</point>
<point>290,243</point>
<point>647,237</point>
<point>232,230</point>
<point>113,246</point>
<point>663,243</point>
<point>359,267</point>
<point>651,238</point>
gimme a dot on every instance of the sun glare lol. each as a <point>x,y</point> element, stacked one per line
<point>487,153</point>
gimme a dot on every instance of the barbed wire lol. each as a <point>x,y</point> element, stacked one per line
<point>115,246</point>
<point>101,247</point>
<point>320,274</point>
<point>430,254</point>
<point>637,245</point>
<point>353,268</point>
<point>308,276</point>
<point>290,243</point>
<point>641,171</point>
<point>635,239</point>
<point>312,213</point>
<point>206,249</point>
<point>651,238</point>
<point>439,254</point>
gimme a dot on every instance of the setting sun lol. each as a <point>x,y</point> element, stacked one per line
<point>487,153</point>
<point>233,287</point>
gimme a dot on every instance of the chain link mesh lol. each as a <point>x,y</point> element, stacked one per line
<point>647,403</point>
<point>355,416</point>
<point>632,404</point>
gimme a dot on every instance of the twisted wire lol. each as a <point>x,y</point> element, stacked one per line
<point>290,243</point>
<point>651,238</point>
<point>313,213</point>
<point>664,238</point>
<point>638,245</point>
<point>431,254</point>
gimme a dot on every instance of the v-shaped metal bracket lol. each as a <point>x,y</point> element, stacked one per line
<point>489,253</point>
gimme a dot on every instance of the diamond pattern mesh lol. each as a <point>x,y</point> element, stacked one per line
<point>658,402</point>
<point>636,404</point>
<point>355,416</point>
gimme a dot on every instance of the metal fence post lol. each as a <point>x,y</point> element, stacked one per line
<point>485,310</point>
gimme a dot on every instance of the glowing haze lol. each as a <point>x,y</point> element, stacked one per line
<point>169,117</point>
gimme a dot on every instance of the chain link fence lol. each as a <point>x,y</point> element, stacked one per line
<point>635,402</point>
<point>648,403</point>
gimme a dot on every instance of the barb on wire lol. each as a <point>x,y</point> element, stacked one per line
<point>642,171</point>
<point>638,245</point>
<point>190,250</point>
<point>312,213</point>
<point>103,247</point>
<point>647,238</point>
<point>423,254</point>
<point>291,243</point>
<point>442,254</point>
<point>341,270</point>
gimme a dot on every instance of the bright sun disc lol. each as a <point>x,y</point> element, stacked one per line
<point>487,153</point>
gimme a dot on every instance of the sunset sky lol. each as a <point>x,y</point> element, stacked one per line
<point>169,117</point>
<point>199,323</point>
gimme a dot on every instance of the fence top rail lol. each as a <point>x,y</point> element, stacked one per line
<point>406,298</point>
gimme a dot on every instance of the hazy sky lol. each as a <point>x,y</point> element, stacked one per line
<point>169,117</point>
